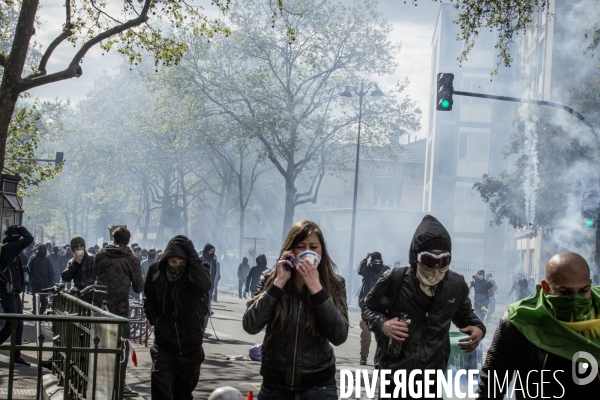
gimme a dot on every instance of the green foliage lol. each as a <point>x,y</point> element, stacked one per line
<point>559,157</point>
<point>27,129</point>
<point>507,17</point>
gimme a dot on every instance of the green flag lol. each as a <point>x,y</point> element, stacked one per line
<point>533,317</point>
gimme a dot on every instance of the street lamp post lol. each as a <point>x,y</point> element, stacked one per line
<point>361,94</point>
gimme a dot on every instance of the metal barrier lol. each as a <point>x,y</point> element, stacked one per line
<point>83,337</point>
<point>139,328</point>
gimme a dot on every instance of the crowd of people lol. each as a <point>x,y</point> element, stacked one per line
<point>301,304</point>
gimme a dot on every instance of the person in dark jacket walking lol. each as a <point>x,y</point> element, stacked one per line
<point>176,290</point>
<point>303,305</point>
<point>79,268</point>
<point>242,274</point>
<point>208,256</point>
<point>41,276</point>
<point>371,272</point>
<point>548,333</point>
<point>255,273</point>
<point>428,294</point>
<point>118,269</point>
<point>482,288</point>
<point>12,281</point>
<point>56,260</point>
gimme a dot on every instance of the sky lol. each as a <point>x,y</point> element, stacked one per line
<point>413,23</point>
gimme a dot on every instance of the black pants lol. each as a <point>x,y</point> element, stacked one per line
<point>240,287</point>
<point>174,376</point>
<point>11,304</point>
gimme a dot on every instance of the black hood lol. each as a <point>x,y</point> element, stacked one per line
<point>179,246</point>
<point>261,261</point>
<point>205,250</point>
<point>117,250</point>
<point>430,235</point>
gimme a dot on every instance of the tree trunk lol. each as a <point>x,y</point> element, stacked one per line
<point>184,201</point>
<point>13,70</point>
<point>147,210</point>
<point>290,204</point>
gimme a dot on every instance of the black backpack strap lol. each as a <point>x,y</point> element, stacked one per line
<point>396,279</point>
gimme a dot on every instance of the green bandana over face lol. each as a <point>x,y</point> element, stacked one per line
<point>561,325</point>
<point>571,308</point>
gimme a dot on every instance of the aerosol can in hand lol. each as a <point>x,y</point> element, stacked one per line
<point>395,347</point>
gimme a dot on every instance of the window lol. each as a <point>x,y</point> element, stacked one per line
<point>469,209</point>
<point>328,203</point>
<point>475,109</point>
<point>387,194</point>
<point>473,151</point>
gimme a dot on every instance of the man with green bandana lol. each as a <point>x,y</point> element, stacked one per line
<point>538,338</point>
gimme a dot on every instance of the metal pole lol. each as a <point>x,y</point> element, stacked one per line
<point>354,201</point>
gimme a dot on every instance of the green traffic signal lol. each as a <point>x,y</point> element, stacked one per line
<point>445,103</point>
<point>589,223</point>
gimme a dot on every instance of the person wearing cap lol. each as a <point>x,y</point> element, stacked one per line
<point>41,276</point>
<point>429,295</point>
<point>176,291</point>
<point>79,268</point>
<point>12,281</point>
<point>482,289</point>
<point>371,272</point>
<point>242,274</point>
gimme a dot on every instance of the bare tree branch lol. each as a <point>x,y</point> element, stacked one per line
<point>74,70</point>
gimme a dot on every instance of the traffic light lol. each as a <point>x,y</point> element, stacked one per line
<point>444,91</point>
<point>589,209</point>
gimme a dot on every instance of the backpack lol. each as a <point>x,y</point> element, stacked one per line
<point>396,278</point>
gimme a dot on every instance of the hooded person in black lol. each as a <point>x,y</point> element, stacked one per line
<point>242,274</point>
<point>428,294</point>
<point>41,276</point>
<point>255,273</point>
<point>56,260</point>
<point>371,272</point>
<point>12,281</point>
<point>208,256</point>
<point>176,303</point>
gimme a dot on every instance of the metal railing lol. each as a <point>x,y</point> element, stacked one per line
<point>83,337</point>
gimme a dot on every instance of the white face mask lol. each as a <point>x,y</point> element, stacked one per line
<point>430,277</point>
<point>79,253</point>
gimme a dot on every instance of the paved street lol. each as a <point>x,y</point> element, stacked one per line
<point>216,371</point>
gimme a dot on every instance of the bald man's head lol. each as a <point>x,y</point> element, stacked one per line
<point>567,273</point>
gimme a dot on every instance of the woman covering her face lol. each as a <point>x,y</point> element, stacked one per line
<point>302,302</point>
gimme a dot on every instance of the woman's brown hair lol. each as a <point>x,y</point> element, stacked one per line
<point>330,282</point>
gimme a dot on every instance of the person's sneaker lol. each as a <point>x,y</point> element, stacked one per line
<point>129,392</point>
<point>19,360</point>
<point>363,360</point>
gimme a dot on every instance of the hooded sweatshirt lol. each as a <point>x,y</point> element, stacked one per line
<point>41,273</point>
<point>118,269</point>
<point>177,309</point>
<point>398,291</point>
<point>215,267</point>
<point>255,273</point>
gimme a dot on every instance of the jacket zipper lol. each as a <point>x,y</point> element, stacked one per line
<point>296,343</point>
<point>177,334</point>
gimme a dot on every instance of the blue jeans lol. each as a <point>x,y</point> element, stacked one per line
<point>11,304</point>
<point>328,392</point>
